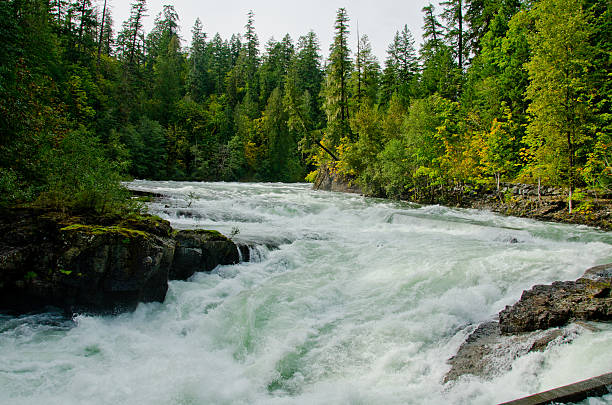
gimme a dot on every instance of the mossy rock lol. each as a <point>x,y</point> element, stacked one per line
<point>211,235</point>
<point>148,223</point>
<point>106,230</point>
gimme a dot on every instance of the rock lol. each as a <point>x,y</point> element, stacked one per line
<point>201,250</point>
<point>470,359</point>
<point>487,353</point>
<point>111,269</point>
<point>328,181</point>
<point>533,323</point>
<point>542,343</point>
<point>546,306</point>
<point>97,265</point>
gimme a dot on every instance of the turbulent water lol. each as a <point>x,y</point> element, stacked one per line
<point>349,301</point>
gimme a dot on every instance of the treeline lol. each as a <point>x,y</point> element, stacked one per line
<point>499,89</point>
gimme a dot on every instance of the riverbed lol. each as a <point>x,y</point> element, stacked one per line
<point>346,300</point>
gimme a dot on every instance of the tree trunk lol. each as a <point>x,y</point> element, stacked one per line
<point>460,40</point>
<point>497,178</point>
<point>101,31</point>
<point>570,145</point>
<point>328,151</point>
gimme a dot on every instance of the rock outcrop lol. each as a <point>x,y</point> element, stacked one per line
<point>547,306</point>
<point>201,250</point>
<point>326,180</point>
<point>98,265</point>
<point>544,314</point>
<point>487,352</point>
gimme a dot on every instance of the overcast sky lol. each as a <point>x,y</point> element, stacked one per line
<point>379,19</point>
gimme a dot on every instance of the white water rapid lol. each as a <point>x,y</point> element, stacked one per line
<point>353,301</point>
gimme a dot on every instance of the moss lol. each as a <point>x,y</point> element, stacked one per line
<point>103,230</point>
<point>147,223</point>
<point>145,218</point>
<point>143,198</point>
<point>211,235</point>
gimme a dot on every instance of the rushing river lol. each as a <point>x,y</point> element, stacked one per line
<point>349,300</point>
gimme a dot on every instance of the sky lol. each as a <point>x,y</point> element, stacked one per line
<point>379,19</point>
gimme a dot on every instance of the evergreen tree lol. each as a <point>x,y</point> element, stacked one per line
<point>220,63</point>
<point>366,78</point>
<point>106,40</point>
<point>200,84</point>
<point>439,70</point>
<point>453,15</point>
<point>336,85</point>
<point>130,50</point>
<point>432,29</point>
<point>307,66</point>
<point>250,50</point>
<point>274,66</point>
<point>401,67</point>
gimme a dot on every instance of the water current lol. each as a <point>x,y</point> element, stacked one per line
<point>348,300</point>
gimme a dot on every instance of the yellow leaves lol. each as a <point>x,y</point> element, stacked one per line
<point>252,154</point>
<point>312,176</point>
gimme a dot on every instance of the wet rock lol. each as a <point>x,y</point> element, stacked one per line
<point>487,353</point>
<point>201,250</point>
<point>545,315</point>
<point>542,343</point>
<point>110,269</point>
<point>97,265</point>
<point>546,306</point>
<point>470,359</point>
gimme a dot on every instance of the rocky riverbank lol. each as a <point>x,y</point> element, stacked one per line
<point>545,314</point>
<point>98,265</point>
<point>520,200</point>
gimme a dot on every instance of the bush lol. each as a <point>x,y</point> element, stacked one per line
<point>80,177</point>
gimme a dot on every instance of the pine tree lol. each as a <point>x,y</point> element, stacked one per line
<point>130,50</point>
<point>453,15</point>
<point>200,84</point>
<point>251,48</point>
<point>366,78</point>
<point>439,71</point>
<point>307,64</point>
<point>432,29</point>
<point>336,84</point>
<point>274,67</point>
<point>401,67</point>
<point>106,40</point>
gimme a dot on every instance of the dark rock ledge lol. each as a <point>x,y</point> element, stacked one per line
<point>545,314</point>
<point>98,265</point>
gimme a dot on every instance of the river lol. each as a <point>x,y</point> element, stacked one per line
<point>348,300</point>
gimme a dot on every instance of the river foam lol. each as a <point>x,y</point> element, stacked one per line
<point>350,301</point>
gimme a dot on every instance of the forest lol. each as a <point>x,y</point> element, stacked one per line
<point>499,91</point>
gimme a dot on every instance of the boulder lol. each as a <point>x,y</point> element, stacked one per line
<point>546,306</point>
<point>110,269</point>
<point>201,250</point>
<point>545,314</point>
<point>327,180</point>
<point>487,352</point>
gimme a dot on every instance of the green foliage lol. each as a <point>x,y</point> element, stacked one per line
<point>560,90</point>
<point>509,89</point>
<point>336,90</point>
<point>80,177</point>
